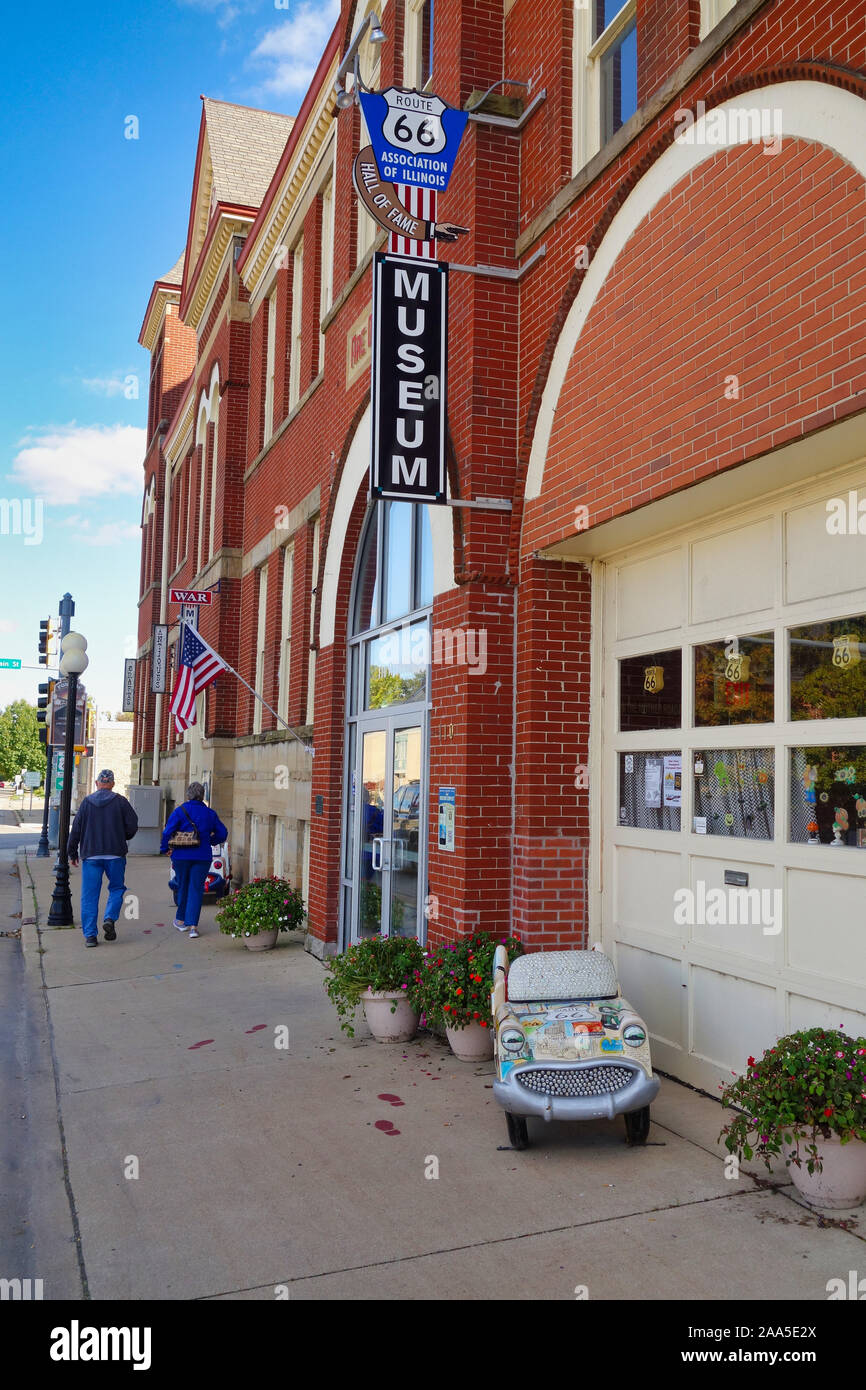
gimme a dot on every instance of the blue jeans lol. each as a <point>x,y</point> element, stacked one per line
<point>190,875</point>
<point>91,886</point>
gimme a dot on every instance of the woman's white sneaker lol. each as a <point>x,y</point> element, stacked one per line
<point>193,932</point>
<point>180,926</point>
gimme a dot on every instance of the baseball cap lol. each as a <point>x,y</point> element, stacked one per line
<point>106,775</point>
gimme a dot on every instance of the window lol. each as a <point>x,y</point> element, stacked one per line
<point>271,363</point>
<point>326,261</point>
<point>314,580</point>
<point>418,44</point>
<point>651,790</point>
<point>261,630</point>
<point>734,790</point>
<point>650,693</point>
<point>712,13</point>
<point>286,632</point>
<point>393,581</point>
<point>828,670</point>
<point>605,73</point>
<point>734,681</point>
<point>297,310</point>
<point>828,796</point>
<point>213,482</point>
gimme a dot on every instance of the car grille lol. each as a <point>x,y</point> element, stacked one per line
<point>575,1081</point>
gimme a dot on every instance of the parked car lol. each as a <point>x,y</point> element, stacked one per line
<point>219,879</point>
<point>568,1046</point>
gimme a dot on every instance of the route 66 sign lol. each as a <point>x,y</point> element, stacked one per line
<point>414,122</point>
<point>846,650</point>
<point>415,136</point>
<point>654,679</point>
<point>737,668</point>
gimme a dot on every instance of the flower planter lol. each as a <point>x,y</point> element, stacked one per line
<point>842,1181</point>
<point>472,1043</point>
<point>262,941</point>
<point>399,1026</point>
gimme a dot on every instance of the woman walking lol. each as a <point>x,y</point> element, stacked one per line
<point>190,831</point>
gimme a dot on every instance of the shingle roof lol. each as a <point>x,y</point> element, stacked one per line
<point>175,275</point>
<point>245,147</point>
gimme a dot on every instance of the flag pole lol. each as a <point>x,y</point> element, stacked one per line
<point>306,746</point>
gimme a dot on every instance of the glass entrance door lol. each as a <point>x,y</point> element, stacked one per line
<point>389,813</point>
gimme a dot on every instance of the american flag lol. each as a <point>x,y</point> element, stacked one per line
<point>199,665</point>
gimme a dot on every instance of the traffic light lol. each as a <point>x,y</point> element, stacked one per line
<point>43,709</point>
<point>48,631</point>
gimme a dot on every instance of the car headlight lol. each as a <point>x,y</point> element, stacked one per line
<point>512,1039</point>
<point>634,1035</point>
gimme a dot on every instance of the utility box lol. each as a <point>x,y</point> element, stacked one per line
<point>147,802</point>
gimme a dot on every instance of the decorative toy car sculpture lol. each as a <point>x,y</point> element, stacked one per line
<point>568,1046</point>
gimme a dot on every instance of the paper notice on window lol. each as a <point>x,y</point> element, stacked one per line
<point>700,825</point>
<point>652,782</point>
<point>673,785</point>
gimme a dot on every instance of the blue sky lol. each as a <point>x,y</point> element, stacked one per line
<point>92,220</point>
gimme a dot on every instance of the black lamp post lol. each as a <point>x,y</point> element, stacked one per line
<point>73,663</point>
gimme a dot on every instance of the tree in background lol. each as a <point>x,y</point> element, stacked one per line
<point>19,740</point>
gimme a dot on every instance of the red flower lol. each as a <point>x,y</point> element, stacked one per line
<point>750,1062</point>
<point>459,991</point>
<point>828,1112</point>
<point>483,1023</point>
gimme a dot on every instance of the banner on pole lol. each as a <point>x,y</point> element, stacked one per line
<point>158,658</point>
<point>129,667</point>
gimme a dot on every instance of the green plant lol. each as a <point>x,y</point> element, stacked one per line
<point>371,909</point>
<point>260,906</point>
<point>811,1083</point>
<point>381,964</point>
<point>455,981</point>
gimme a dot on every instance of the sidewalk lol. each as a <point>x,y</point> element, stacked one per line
<point>260,1167</point>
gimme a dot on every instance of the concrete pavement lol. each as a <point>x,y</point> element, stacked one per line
<point>305,1169</point>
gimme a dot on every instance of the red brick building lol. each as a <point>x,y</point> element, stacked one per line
<point>646,663</point>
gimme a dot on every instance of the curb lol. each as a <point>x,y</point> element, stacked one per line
<point>29,930</point>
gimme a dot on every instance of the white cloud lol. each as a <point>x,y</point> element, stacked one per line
<point>113,533</point>
<point>71,463</point>
<point>126,385</point>
<point>291,51</point>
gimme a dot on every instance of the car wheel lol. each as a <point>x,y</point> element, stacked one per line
<point>637,1125</point>
<point>517,1131</point>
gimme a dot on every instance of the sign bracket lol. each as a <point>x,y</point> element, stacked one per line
<point>489,504</point>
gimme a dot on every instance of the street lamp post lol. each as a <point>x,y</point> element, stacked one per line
<point>73,663</point>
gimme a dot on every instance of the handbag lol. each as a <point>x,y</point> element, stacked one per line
<point>185,839</point>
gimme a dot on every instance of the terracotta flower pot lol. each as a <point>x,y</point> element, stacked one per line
<point>263,940</point>
<point>399,1026</point>
<point>472,1043</point>
<point>842,1180</point>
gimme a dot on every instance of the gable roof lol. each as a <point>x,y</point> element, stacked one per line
<point>175,275</point>
<point>166,290</point>
<point>238,150</point>
<point>245,147</point>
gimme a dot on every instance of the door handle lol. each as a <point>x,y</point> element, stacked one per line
<point>377,843</point>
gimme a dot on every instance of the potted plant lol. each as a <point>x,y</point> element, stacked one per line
<point>806,1099</point>
<point>454,992</point>
<point>381,973</point>
<point>256,913</point>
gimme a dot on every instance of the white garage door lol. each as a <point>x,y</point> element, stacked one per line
<point>730,874</point>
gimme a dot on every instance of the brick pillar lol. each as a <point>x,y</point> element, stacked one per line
<point>551,813</point>
<point>667,31</point>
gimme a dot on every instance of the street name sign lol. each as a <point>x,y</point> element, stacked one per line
<point>9,663</point>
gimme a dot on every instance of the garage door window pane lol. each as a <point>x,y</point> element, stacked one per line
<point>828,796</point>
<point>734,681</point>
<point>650,790</point>
<point>733,792</point>
<point>650,692</point>
<point>828,670</point>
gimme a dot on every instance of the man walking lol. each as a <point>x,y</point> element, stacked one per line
<point>103,824</point>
